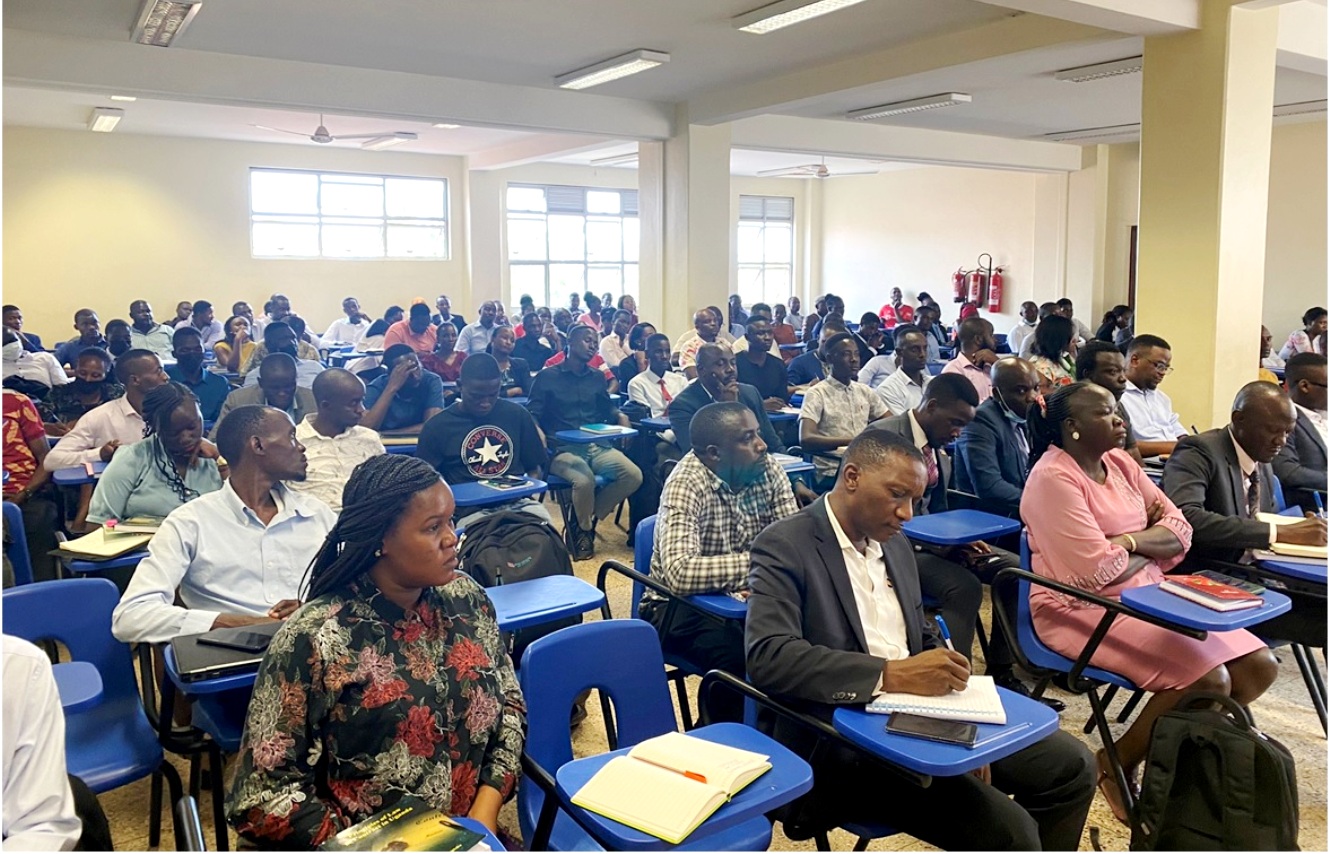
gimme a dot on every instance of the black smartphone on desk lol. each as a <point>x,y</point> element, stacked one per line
<point>917,726</point>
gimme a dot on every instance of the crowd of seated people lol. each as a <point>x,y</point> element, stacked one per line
<point>261,459</point>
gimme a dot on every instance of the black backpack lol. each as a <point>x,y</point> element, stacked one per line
<point>508,547</point>
<point>1213,782</point>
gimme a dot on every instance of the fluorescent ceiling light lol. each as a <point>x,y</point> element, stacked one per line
<point>161,21</point>
<point>1100,70</point>
<point>104,119</point>
<point>446,126</point>
<point>785,13</point>
<point>123,98</point>
<point>388,140</point>
<point>616,160</point>
<point>1301,108</point>
<point>612,69</point>
<point>932,102</point>
<point>1106,132</point>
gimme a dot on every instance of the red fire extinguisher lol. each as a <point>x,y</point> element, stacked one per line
<point>958,286</point>
<point>995,291</point>
<point>976,286</point>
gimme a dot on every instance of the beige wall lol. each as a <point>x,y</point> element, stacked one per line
<point>1295,248</point>
<point>98,220</point>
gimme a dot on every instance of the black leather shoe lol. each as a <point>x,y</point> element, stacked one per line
<point>1011,683</point>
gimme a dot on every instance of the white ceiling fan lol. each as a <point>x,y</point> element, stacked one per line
<point>383,139</point>
<point>811,170</point>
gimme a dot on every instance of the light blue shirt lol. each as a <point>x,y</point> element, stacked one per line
<point>1152,416</point>
<point>133,485</point>
<point>157,339</point>
<point>222,559</point>
<point>474,338</point>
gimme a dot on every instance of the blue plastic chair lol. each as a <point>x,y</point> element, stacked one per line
<point>555,669</point>
<point>112,743</point>
<point>17,549</point>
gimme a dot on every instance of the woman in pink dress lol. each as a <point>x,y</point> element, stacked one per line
<point>1097,522</point>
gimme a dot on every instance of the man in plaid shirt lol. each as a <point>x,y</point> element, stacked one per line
<point>718,498</point>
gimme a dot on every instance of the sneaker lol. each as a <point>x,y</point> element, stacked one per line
<point>584,543</point>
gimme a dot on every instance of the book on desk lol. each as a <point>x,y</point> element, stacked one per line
<point>1291,549</point>
<point>103,544</point>
<point>978,703</point>
<point>606,429</point>
<point>668,785</point>
<point>1212,594</point>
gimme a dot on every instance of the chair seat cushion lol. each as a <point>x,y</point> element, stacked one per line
<point>110,745</point>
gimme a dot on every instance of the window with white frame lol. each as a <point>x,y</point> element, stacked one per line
<point>566,240</point>
<point>765,249</point>
<point>296,214</point>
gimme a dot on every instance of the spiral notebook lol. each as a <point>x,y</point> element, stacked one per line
<point>979,703</point>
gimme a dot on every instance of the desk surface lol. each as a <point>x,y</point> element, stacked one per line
<point>956,527</point>
<point>655,425</point>
<point>1160,603</point>
<point>541,600</point>
<point>1028,721</point>
<point>721,605</point>
<point>84,566</point>
<point>587,437</point>
<point>1314,572</point>
<point>477,494</point>
<point>788,778</point>
<point>79,684</point>
<point>789,413</point>
<point>78,475</point>
<point>211,685</point>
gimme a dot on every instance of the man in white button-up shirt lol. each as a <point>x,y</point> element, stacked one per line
<point>334,441</point>
<point>117,422</point>
<point>236,555</point>
<point>1155,425</point>
<point>349,329</point>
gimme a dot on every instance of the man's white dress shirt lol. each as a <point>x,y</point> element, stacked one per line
<point>876,370</point>
<point>115,419</point>
<point>1151,413</point>
<point>875,598</point>
<point>38,367</point>
<point>211,334</point>
<point>343,331</point>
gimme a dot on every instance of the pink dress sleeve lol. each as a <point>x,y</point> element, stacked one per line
<point>1067,543</point>
<point>1150,492</point>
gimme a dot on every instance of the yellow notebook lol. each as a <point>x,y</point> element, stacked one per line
<point>668,785</point>
<point>99,546</point>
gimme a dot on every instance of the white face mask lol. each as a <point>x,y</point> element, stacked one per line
<point>11,352</point>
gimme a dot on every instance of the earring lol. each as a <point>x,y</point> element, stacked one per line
<point>378,552</point>
<point>1076,435</point>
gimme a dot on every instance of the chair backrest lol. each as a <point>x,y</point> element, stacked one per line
<point>17,547</point>
<point>644,541</point>
<point>41,611</point>
<point>622,658</point>
<point>1277,495</point>
<point>1030,643</point>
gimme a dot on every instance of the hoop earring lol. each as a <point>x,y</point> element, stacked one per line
<point>1075,435</point>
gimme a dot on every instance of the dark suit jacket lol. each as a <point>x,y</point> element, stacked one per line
<point>694,397</point>
<point>934,500</point>
<point>1203,478</point>
<point>989,459</point>
<point>803,638</point>
<point>1301,464</point>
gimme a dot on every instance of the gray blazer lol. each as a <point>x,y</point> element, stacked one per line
<point>1203,478</point>
<point>303,404</point>
<point>803,637</point>
<point>1301,464</point>
<point>934,501</point>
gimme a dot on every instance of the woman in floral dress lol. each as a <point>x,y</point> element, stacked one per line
<point>390,681</point>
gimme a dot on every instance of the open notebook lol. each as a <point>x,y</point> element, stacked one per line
<point>978,703</point>
<point>668,785</point>
<point>104,545</point>
<point>1315,552</point>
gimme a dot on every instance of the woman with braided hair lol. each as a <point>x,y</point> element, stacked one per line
<point>1097,522</point>
<point>390,681</point>
<point>162,472</point>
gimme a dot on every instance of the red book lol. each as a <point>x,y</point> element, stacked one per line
<point>1210,593</point>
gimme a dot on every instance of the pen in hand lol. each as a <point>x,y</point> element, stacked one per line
<point>946,633</point>
<point>1320,505</point>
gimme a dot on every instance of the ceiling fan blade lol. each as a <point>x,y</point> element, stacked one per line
<point>802,169</point>
<point>858,172</point>
<point>280,130</point>
<point>405,135</point>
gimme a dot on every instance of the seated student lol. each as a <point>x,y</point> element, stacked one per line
<point>565,397</point>
<point>210,389</point>
<point>783,331</point>
<point>1270,362</point>
<point>445,314</point>
<point>475,337</point>
<point>483,436</point>
<point>928,318</point>
<point>276,387</point>
<point>706,330</point>
<point>808,368</point>
<point>1067,309</point>
<point>993,451</point>
<point>116,422</point>
<point>1220,480</point>
<point>597,363</point>
<point>846,551</point>
<point>903,389</point>
<point>334,441</point>
<point>837,409</point>
<point>759,311</point>
<point>303,335</point>
<point>146,334</point>
<point>280,337</point>
<point>835,310</point>
<point>637,359</point>
<point>514,373</point>
<point>1053,355</point>
<point>90,335</point>
<point>23,447</point>
<point>719,496</point>
<point>1046,309</point>
<point>34,374</point>
<point>658,385</point>
<point>162,472</point>
<point>446,360</point>
<point>760,369</point>
<point>406,397</point>
<point>13,319</point>
<point>117,338</point>
<point>277,308</point>
<point>896,312</point>
<point>233,557</point>
<point>975,354</point>
<point>717,379</point>
<point>614,347</point>
<point>530,347</point>
<point>1116,320</point>
<point>349,329</point>
<point>1155,425</point>
<point>1310,338</point>
<point>1025,327</point>
<point>1300,465</point>
<point>183,311</point>
<point>1102,364</point>
<point>201,319</point>
<point>1097,522</point>
<point>437,712</point>
<point>416,331</point>
<point>235,348</point>
<point>92,386</point>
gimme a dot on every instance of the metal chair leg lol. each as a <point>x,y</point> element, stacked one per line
<point>820,839</point>
<point>1108,698</point>
<point>215,765</point>
<point>155,811</point>
<point>1097,707</point>
<point>982,635</point>
<point>1130,706</point>
<point>1311,675</point>
<point>861,844</point>
<point>681,691</point>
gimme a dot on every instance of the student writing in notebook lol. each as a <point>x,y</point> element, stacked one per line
<point>835,617</point>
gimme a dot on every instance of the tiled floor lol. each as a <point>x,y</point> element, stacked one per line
<point>1285,713</point>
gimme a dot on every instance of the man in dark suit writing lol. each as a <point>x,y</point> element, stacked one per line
<point>835,617</point>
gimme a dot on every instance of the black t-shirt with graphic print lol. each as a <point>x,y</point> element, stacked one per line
<point>464,447</point>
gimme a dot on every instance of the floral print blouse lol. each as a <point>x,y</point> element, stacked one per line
<point>358,703</point>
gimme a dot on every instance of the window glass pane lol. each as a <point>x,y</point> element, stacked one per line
<point>337,178</point>
<point>352,199</point>
<point>777,285</point>
<point>417,241</point>
<point>526,239</point>
<point>750,243</point>
<point>352,241</point>
<point>779,243</point>
<point>567,238</point>
<point>602,279</point>
<point>284,192</point>
<point>630,280</point>
<point>413,197</point>
<point>565,280</point>
<point>286,239</point>
<point>526,199</point>
<point>605,203</point>
<point>528,279</point>
<point>749,285</point>
<point>632,238</point>
<point>604,240</point>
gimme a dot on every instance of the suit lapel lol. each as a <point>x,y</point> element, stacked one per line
<point>1233,469</point>
<point>1305,425</point>
<point>833,563</point>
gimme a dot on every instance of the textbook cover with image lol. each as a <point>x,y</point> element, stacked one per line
<point>409,825</point>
